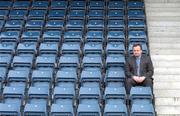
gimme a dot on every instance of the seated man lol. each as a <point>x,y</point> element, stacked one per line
<point>139,69</point>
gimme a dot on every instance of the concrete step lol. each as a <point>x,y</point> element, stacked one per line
<point>167,64</point>
<point>165,51</point>
<point>165,29</point>
<point>160,14</point>
<point>150,8</point>
<point>162,18</point>
<point>166,78</point>
<point>165,57</point>
<point>164,23</point>
<point>167,85</point>
<point>167,93</point>
<point>164,46</point>
<point>155,38</point>
<point>163,34</point>
<point>167,101</point>
<point>167,71</point>
<point>168,110</point>
<point>162,5</point>
<point>162,1</point>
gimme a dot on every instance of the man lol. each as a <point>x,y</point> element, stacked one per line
<point>139,69</point>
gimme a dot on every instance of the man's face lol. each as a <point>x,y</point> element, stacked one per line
<point>137,51</point>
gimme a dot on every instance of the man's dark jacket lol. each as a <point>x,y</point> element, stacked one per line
<point>146,67</point>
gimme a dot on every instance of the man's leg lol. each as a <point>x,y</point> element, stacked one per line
<point>148,82</point>
<point>129,83</point>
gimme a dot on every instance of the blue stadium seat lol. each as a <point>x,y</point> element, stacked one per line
<point>52,36</point>
<point>38,92</point>
<point>92,60</point>
<point>5,4</point>
<point>116,24</point>
<point>135,5</point>
<point>95,24</point>
<point>115,48</point>
<point>96,14</point>
<point>22,61</point>
<point>141,95</point>
<point>142,110</point>
<point>61,110</point>
<point>136,25</point>
<point>116,14</point>
<point>137,36</point>
<point>40,4</point>
<point>96,4</point>
<point>34,24</point>
<point>35,109</point>
<point>21,4</point>
<point>78,4</point>
<point>5,60</point>
<point>136,14</point>
<point>116,36</point>
<point>18,14</point>
<point>13,92</point>
<point>59,4</point>
<point>56,14</point>
<point>31,36</point>
<point>115,75</point>
<point>3,13</point>
<point>93,48</point>
<point>66,75</point>
<point>116,4</point>
<point>73,36</point>
<point>7,47</point>
<point>14,25</point>
<point>115,110</point>
<point>37,14</point>
<point>88,110</point>
<point>27,48</point>
<point>76,14</point>
<point>71,48</point>
<point>48,48</point>
<point>46,61</point>
<point>10,36</point>
<point>69,60</point>
<point>94,36</point>
<point>117,60</point>
<point>9,109</point>
<point>75,24</point>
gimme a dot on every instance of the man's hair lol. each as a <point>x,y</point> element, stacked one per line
<point>137,44</point>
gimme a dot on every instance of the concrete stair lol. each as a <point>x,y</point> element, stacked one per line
<point>163,20</point>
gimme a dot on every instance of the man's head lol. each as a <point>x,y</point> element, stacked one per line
<point>137,50</point>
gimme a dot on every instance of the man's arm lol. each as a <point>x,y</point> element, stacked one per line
<point>128,69</point>
<point>150,68</point>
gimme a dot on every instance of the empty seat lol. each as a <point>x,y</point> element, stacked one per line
<point>5,60</point>
<point>136,14</point>
<point>18,14</point>
<point>5,4</point>
<point>76,14</point>
<point>3,13</point>
<point>40,4</point>
<point>35,109</point>
<point>38,92</point>
<point>22,61</point>
<point>52,36</point>
<point>73,36</point>
<point>137,36</point>
<point>117,60</point>
<point>116,14</point>
<point>69,60</point>
<point>115,110</point>
<point>92,60</point>
<point>94,36</point>
<point>10,36</point>
<point>75,24</point>
<point>58,4</point>
<point>142,110</point>
<point>95,24</point>
<point>93,48</point>
<point>115,74</point>
<point>116,4</point>
<point>61,110</point>
<point>34,24</point>
<point>96,4</point>
<point>48,48</point>
<point>116,36</point>
<point>115,48</point>
<point>56,14</point>
<point>13,92</point>
<point>116,24</point>
<point>141,95</point>
<point>31,36</point>
<point>78,4</point>
<point>46,61</point>
<point>9,109</point>
<point>71,48</point>
<point>88,110</point>
<point>7,47</point>
<point>26,48</point>
<point>21,4</point>
<point>136,25</point>
<point>95,14</point>
<point>135,5</point>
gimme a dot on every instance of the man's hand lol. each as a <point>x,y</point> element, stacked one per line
<point>138,79</point>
